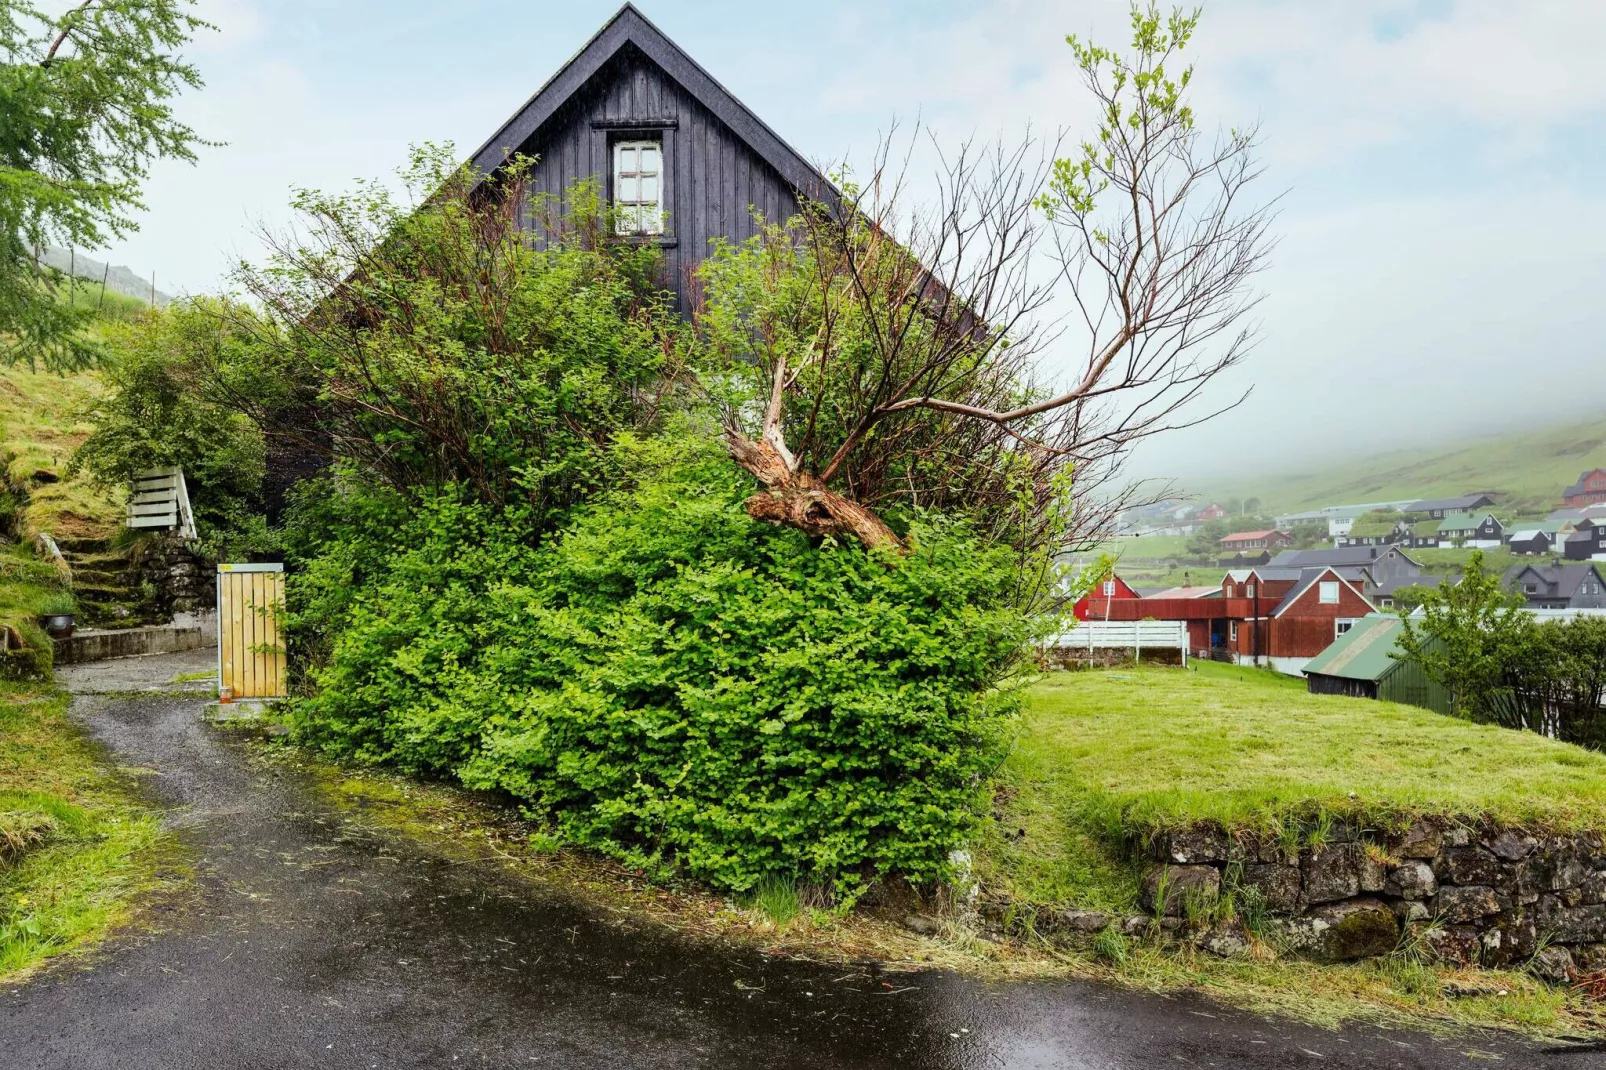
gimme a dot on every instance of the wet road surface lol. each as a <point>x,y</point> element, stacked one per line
<point>315,944</point>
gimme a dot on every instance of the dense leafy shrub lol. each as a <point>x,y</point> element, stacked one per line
<point>672,682</point>
<point>428,340</point>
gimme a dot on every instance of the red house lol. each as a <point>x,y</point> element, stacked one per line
<point>1094,604</point>
<point>1306,617</point>
<point>1211,512</point>
<point>1279,617</point>
<point>1257,540</point>
<point>1590,489</point>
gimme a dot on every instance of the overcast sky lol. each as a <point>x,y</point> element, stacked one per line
<point>1440,267</point>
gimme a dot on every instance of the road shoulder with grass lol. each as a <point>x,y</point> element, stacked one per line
<point>312,940</point>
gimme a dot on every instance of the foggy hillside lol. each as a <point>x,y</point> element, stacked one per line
<point>118,278</point>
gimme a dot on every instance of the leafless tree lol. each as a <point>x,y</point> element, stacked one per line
<point>910,369</point>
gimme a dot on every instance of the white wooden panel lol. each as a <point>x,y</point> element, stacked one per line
<point>1168,634</point>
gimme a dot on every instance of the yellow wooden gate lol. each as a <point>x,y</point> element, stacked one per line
<point>250,648</point>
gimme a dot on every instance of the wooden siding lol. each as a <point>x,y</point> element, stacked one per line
<point>713,183</point>
<point>1309,603</point>
<point>251,649</point>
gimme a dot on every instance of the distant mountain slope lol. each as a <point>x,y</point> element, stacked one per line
<point>119,279</point>
<point>1525,469</point>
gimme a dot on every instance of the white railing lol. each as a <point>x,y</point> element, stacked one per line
<point>159,499</point>
<point>1134,635</point>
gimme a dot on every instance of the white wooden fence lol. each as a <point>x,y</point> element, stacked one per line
<point>1134,635</point>
<point>159,500</point>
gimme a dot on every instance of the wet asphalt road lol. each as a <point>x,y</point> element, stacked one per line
<point>314,944</point>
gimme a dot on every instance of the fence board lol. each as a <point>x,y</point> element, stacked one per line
<point>1134,635</point>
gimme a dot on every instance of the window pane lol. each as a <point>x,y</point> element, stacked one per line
<point>649,189</point>
<point>627,158</point>
<point>627,219</point>
<point>649,159</point>
<point>627,188</point>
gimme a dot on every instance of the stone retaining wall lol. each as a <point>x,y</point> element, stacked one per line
<point>183,581</point>
<point>1075,657</point>
<point>1467,895</point>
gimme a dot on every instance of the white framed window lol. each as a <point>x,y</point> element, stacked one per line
<point>1327,592</point>
<point>638,183</point>
<point>1342,625</point>
<point>1249,590</point>
<point>1233,637</point>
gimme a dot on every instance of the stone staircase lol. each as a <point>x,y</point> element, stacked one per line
<point>106,583</point>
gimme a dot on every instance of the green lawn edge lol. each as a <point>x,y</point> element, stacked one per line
<point>102,850</point>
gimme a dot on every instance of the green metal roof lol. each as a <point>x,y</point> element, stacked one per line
<point>1459,522</point>
<point>1362,653</point>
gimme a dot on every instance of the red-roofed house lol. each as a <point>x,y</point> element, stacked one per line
<point>1257,540</point>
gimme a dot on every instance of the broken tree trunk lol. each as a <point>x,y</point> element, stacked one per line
<point>796,499</point>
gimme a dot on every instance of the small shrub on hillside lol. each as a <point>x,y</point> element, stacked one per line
<point>675,684</point>
<point>154,414</point>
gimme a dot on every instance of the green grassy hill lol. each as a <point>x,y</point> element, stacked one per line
<point>1525,469</point>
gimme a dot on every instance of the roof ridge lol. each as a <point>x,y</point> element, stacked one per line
<point>629,26</point>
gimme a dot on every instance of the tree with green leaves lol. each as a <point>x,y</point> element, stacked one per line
<point>893,354</point>
<point>87,107</point>
<point>1466,637</point>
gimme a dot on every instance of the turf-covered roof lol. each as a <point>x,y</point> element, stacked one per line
<point>1362,653</point>
<point>1377,522</point>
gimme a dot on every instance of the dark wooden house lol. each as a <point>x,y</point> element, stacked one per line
<point>1587,541</point>
<point>683,162</point>
<point>1530,541</point>
<point>1471,529</point>
<point>1439,508</point>
<point>1571,585</point>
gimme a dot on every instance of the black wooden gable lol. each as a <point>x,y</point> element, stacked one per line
<point>721,162</point>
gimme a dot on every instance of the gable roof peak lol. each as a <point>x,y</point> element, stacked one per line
<point>630,28</point>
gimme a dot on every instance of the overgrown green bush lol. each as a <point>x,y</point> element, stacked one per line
<point>155,413</point>
<point>671,682</point>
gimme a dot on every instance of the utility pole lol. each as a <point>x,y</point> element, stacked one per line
<point>104,275</point>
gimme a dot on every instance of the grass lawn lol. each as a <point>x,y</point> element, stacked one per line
<point>76,848</point>
<point>1444,560</point>
<point>1146,547</point>
<point>1106,754</point>
<point>1103,754</point>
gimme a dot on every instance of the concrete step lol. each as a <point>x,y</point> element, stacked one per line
<point>107,561</point>
<point>97,577</point>
<point>95,644</point>
<point>70,546</point>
